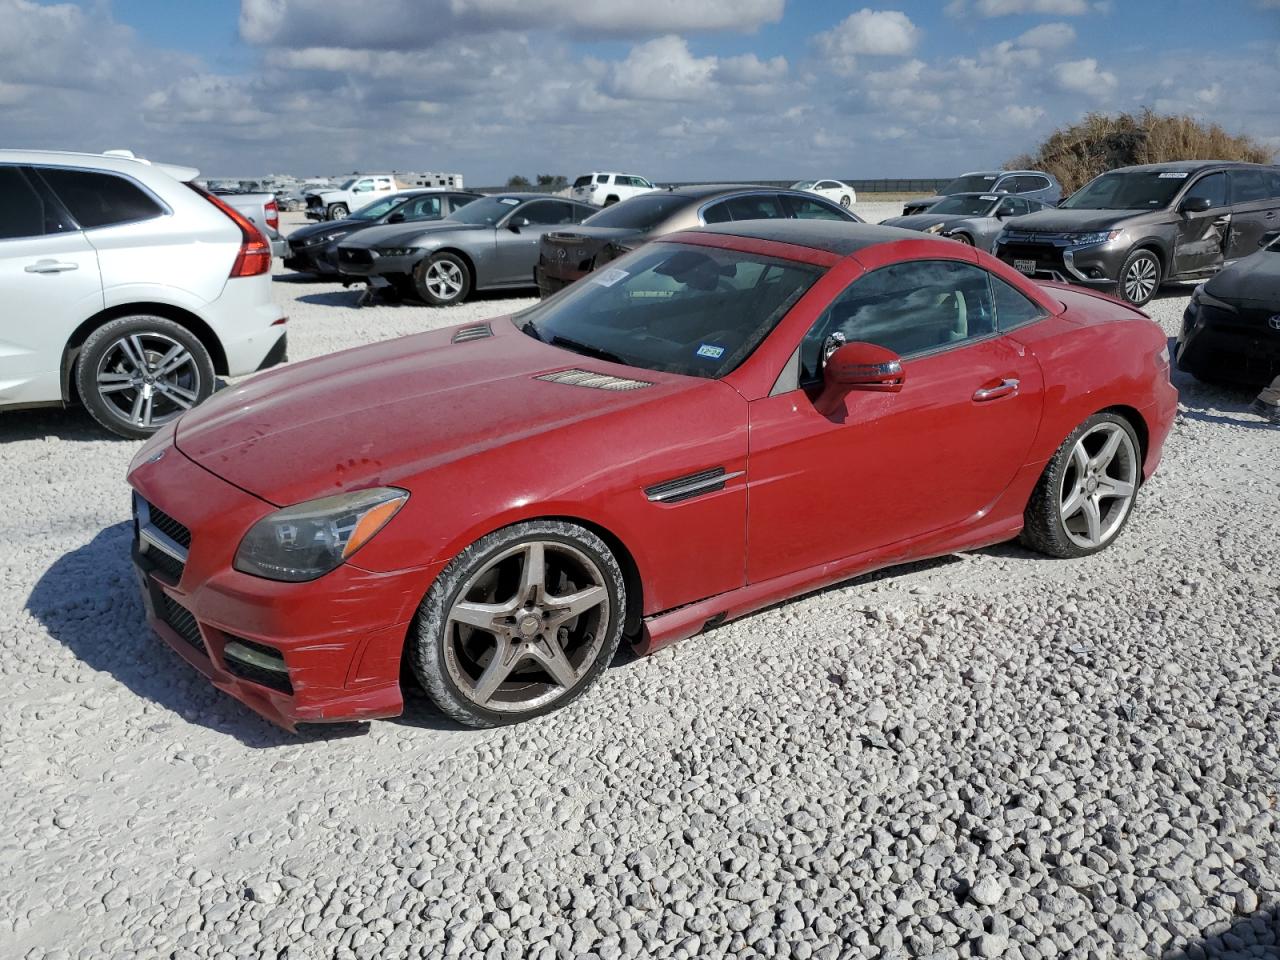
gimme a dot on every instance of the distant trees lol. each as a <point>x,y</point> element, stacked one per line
<point>546,183</point>
<point>518,183</point>
<point>1101,142</point>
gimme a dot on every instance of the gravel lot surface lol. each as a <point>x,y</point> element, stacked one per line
<point>989,755</point>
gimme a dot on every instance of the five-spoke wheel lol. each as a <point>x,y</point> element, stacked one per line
<point>442,280</point>
<point>1139,277</point>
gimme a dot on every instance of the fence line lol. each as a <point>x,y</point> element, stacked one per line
<point>884,185</point>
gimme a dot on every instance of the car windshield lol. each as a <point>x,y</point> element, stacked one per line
<point>966,206</point>
<point>638,213</point>
<point>970,183</point>
<point>680,308</point>
<point>373,211</point>
<point>348,184</point>
<point>487,210</point>
<point>1135,190</point>
<point>582,181</point>
<point>803,185</point>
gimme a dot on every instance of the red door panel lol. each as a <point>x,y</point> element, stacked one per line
<point>888,466</point>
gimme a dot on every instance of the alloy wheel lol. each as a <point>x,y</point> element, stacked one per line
<point>527,627</point>
<point>1099,485</point>
<point>1141,278</point>
<point>444,279</point>
<point>844,201</point>
<point>148,379</point>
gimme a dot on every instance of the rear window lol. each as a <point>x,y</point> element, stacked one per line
<point>638,213</point>
<point>100,199</point>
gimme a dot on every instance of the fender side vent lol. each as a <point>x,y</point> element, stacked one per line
<point>593,380</point>
<point>690,485</point>
<point>478,332</point>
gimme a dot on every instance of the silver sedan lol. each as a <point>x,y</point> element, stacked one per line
<point>972,218</point>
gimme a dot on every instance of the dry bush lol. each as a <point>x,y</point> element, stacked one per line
<point>1078,153</point>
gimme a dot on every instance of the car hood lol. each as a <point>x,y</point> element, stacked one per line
<point>400,235</point>
<point>381,414</point>
<point>327,227</point>
<point>1253,280</point>
<point>923,201</point>
<point>921,221</point>
<point>1075,221</point>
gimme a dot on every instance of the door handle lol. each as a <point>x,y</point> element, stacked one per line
<point>1003,389</point>
<point>50,266</point>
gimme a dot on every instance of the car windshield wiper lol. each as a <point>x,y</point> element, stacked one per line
<point>587,350</point>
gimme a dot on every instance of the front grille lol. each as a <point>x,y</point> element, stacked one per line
<point>169,566</point>
<point>263,676</point>
<point>183,623</point>
<point>170,527</point>
<point>354,255</point>
<point>593,380</point>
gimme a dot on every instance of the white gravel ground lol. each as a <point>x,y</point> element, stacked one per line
<point>991,755</point>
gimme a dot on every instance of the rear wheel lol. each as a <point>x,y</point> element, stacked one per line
<point>338,211</point>
<point>845,201</point>
<point>1139,278</point>
<point>962,238</point>
<point>136,374</point>
<point>1086,493</point>
<point>610,201</point>
<point>519,624</point>
<point>442,280</point>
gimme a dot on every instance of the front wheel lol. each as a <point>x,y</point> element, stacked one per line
<point>1086,493</point>
<point>136,374</point>
<point>519,624</point>
<point>845,201</point>
<point>442,280</point>
<point>338,211</point>
<point>1139,278</point>
<point>962,238</point>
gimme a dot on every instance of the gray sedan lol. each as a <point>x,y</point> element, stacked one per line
<point>972,218</point>
<point>490,244</point>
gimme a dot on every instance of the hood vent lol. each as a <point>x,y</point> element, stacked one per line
<point>593,380</point>
<point>480,331</point>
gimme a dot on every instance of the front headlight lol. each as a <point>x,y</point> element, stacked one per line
<point>1102,236</point>
<point>309,539</point>
<point>397,251</point>
<point>936,228</point>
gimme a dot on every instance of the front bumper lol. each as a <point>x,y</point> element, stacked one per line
<point>337,640</point>
<point>1095,265</point>
<point>1239,347</point>
<point>362,263</point>
<point>548,284</point>
<point>313,258</point>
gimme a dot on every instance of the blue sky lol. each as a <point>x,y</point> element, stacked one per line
<point>676,89</point>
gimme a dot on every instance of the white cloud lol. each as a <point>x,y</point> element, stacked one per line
<point>663,69</point>
<point>1049,36</point>
<point>1083,76</point>
<point>885,33</point>
<point>1057,8</point>
<point>750,70</point>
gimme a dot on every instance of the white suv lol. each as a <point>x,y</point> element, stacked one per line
<point>126,287</point>
<point>606,189</point>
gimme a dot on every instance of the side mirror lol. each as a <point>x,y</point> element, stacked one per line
<point>859,366</point>
<point>396,218</point>
<point>1195,205</point>
<point>515,223</point>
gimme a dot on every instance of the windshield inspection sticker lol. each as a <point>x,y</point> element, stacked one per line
<point>607,278</point>
<point>509,201</point>
<point>711,351</point>
<point>992,197</point>
<point>1172,176</point>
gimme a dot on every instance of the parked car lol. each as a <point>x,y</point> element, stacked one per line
<point>337,204</point>
<point>1129,230</point>
<point>606,189</point>
<point>566,255</point>
<point>490,244</point>
<point>262,210</point>
<point>127,288</point>
<point>313,248</point>
<point>583,476</point>
<point>972,218</point>
<point>1231,326</point>
<point>1033,184</point>
<point>834,190</point>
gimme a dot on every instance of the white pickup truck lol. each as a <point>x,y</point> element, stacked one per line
<point>354,193</point>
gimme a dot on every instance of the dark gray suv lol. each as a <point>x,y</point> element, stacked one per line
<point>1130,230</point>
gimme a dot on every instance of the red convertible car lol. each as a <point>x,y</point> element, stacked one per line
<point>720,420</point>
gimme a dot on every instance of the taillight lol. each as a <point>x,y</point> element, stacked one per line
<point>273,215</point>
<point>254,257</point>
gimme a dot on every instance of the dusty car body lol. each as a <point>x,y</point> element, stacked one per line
<point>972,218</point>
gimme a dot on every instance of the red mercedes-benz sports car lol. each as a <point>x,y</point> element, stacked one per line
<point>720,420</point>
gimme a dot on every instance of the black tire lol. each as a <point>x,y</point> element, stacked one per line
<point>436,646</point>
<point>962,238</point>
<point>337,211</point>
<point>430,275</point>
<point>106,355</point>
<point>845,201</point>
<point>1137,290</point>
<point>1043,527</point>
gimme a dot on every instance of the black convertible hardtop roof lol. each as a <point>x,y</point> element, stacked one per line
<point>834,236</point>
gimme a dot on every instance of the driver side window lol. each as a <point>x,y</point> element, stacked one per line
<point>909,308</point>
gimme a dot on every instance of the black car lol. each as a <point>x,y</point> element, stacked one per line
<point>314,248</point>
<point>566,255</point>
<point>1130,230</point>
<point>1231,327</point>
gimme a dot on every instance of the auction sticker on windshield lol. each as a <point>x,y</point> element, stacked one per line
<point>1172,176</point>
<point>607,278</point>
<point>711,351</point>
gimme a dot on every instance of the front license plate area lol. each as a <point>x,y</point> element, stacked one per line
<point>1025,266</point>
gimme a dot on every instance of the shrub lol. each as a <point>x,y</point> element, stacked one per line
<point>1100,142</point>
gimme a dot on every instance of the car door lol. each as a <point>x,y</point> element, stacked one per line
<point>1201,240</point>
<point>51,282</point>
<point>888,467</point>
<point>517,237</point>
<point>1255,209</point>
